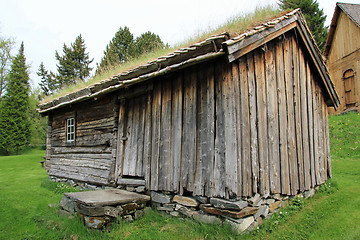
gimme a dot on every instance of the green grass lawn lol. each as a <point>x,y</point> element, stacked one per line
<point>333,213</point>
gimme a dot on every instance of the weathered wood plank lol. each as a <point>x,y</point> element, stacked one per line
<point>106,157</point>
<point>316,133</point>
<point>81,163</point>
<point>283,146</point>
<point>48,140</point>
<point>219,160</point>
<point>272,117</point>
<point>188,132</point>
<point>304,120</point>
<point>133,182</point>
<point>73,149</point>
<point>78,176</point>
<point>309,80</point>
<point>291,142</point>
<point>134,137</point>
<point>201,132</point>
<point>321,135</point>
<point>259,60</point>
<point>328,155</point>
<point>155,143</point>
<point>148,140</point>
<point>253,122</point>
<point>231,150</point>
<point>176,129</point>
<point>165,137</point>
<point>297,107</point>
<point>114,140</point>
<point>324,123</point>
<point>208,147</point>
<point>245,130</point>
<point>120,143</point>
<point>103,173</point>
<point>237,100</point>
<point>129,143</point>
<point>140,137</point>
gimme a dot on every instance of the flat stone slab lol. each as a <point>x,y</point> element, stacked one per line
<point>107,197</point>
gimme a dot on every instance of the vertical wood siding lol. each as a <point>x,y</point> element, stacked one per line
<point>257,125</point>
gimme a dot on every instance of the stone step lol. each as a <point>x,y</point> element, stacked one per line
<point>107,197</point>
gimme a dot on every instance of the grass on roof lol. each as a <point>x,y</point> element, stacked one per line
<point>235,25</point>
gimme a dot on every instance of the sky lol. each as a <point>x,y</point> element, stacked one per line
<point>45,25</point>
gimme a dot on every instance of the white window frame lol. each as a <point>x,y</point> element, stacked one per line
<point>70,130</point>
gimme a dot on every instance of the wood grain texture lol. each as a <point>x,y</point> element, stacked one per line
<point>219,162</point>
<point>304,120</point>
<point>291,141</point>
<point>272,117</point>
<point>282,115</point>
<point>230,125</point>
<point>253,123</point>
<point>297,107</point>
<point>189,132</point>
<point>176,125</point>
<point>245,129</point>
<point>264,184</point>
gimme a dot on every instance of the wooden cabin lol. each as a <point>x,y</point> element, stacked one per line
<point>226,117</point>
<point>342,52</point>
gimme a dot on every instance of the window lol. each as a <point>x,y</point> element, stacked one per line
<point>70,130</point>
<point>349,88</point>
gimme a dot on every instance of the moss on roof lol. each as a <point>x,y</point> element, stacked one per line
<point>234,26</point>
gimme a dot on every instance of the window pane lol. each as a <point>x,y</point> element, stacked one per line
<point>70,129</point>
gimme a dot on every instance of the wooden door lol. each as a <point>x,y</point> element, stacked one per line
<point>349,87</point>
<point>131,138</point>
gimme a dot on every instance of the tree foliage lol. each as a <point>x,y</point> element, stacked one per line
<point>73,66</point>
<point>124,47</point>
<point>6,46</point>
<point>14,121</point>
<point>145,43</point>
<point>48,83</point>
<point>74,63</point>
<point>314,16</point>
<point>38,123</point>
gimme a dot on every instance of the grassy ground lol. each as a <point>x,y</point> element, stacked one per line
<point>334,213</point>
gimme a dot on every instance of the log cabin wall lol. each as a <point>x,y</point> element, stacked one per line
<point>257,125</point>
<point>89,157</point>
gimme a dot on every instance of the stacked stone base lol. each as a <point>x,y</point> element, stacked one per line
<point>242,214</point>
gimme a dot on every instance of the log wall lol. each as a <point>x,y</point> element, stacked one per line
<point>89,158</point>
<point>257,125</point>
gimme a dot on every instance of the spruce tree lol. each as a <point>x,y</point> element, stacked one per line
<point>14,121</point>
<point>123,47</point>
<point>117,50</point>
<point>314,17</point>
<point>146,43</point>
<point>48,83</point>
<point>74,64</point>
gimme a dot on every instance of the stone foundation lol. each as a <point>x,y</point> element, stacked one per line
<point>242,213</point>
